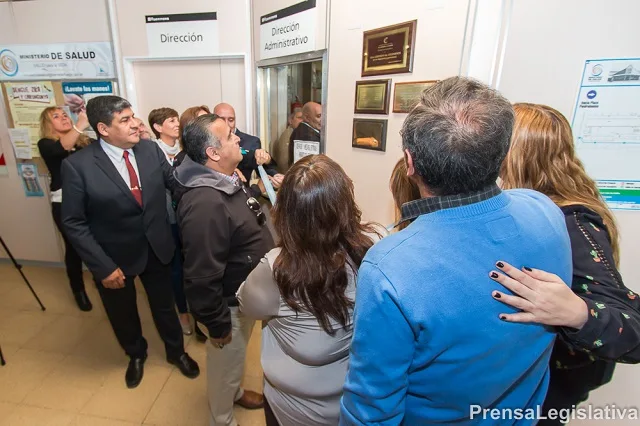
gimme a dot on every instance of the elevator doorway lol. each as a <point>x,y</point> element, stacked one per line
<point>283,88</point>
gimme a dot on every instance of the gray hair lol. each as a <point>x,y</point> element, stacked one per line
<point>197,137</point>
<point>293,115</point>
<point>458,135</point>
<point>101,109</point>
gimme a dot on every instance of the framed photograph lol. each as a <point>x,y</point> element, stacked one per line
<point>372,97</point>
<point>407,95</point>
<point>389,50</point>
<point>369,134</point>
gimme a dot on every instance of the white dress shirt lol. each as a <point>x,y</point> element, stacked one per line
<point>116,155</point>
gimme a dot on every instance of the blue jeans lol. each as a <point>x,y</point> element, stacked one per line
<point>176,272</point>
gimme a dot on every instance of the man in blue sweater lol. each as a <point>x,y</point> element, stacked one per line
<point>428,345</point>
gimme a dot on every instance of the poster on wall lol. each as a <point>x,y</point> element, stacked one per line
<point>26,102</point>
<point>77,94</point>
<point>29,176</point>
<point>289,31</point>
<point>606,128</point>
<point>56,61</point>
<point>21,141</point>
<point>183,34</point>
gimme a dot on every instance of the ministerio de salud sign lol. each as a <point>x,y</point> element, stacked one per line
<point>64,61</point>
<point>184,34</point>
<point>289,31</point>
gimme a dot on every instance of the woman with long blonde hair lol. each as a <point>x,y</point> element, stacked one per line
<point>59,138</point>
<point>597,317</point>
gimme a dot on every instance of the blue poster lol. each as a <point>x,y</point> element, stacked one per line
<point>78,93</point>
<point>29,175</point>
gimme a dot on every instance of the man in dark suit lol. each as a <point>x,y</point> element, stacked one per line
<point>114,213</point>
<point>309,129</point>
<point>253,155</point>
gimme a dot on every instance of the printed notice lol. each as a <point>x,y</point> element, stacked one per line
<point>26,102</point>
<point>29,176</point>
<point>606,127</point>
<point>21,143</point>
<point>303,148</point>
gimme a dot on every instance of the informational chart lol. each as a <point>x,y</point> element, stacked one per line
<point>606,127</point>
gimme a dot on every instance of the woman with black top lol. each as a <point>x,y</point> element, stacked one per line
<point>597,318</point>
<point>59,138</point>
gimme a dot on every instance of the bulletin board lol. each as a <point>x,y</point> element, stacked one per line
<point>24,103</point>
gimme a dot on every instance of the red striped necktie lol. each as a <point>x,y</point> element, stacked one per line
<point>133,178</point>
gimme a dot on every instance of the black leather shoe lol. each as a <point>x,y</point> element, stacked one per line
<point>135,371</point>
<point>83,300</point>
<point>187,366</point>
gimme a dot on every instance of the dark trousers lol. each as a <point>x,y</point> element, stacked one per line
<point>122,310</point>
<point>177,277</point>
<point>72,261</point>
<point>269,417</point>
<point>562,394</point>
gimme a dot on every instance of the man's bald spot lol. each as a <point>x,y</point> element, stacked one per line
<point>310,109</point>
<point>224,110</point>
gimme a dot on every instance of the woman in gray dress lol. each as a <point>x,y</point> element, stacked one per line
<point>304,290</point>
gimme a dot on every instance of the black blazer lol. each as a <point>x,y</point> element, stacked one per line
<point>248,163</point>
<point>303,133</point>
<point>103,220</point>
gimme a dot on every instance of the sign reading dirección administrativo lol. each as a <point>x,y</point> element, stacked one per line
<point>289,31</point>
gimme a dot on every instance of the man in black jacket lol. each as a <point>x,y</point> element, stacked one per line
<point>224,237</point>
<point>114,214</point>
<point>309,129</point>
<point>253,154</point>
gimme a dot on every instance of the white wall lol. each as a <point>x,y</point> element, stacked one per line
<point>233,22</point>
<point>546,46</point>
<point>200,82</point>
<point>183,84</point>
<point>438,50</point>
<point>25,223</point>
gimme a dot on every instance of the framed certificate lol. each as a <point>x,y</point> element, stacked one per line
<point>372,97</point>
<point>389,50</point>
<point>407,95</point>
<point>369,134</point>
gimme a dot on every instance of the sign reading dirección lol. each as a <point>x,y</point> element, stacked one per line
<point>289,31</point>
<point>184,34</point>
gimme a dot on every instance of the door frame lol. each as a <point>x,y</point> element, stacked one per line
<point>129,85</point>
<point>316,55</point>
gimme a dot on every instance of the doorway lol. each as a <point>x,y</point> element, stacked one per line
<point>287,85</point>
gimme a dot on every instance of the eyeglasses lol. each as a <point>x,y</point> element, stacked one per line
<point>254,205</point>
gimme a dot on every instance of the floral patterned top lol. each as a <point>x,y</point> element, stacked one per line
<point>612,332</point>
